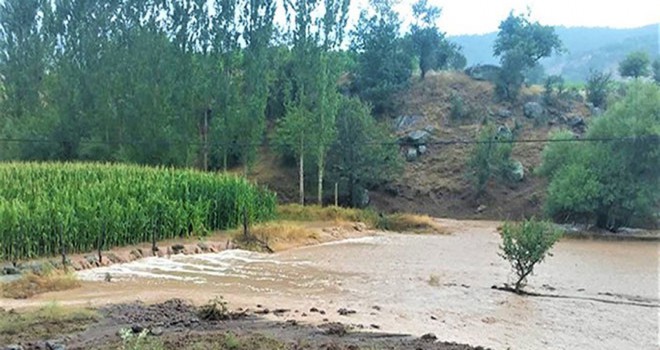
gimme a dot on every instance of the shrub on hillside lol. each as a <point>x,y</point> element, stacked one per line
<point>599,85</point>
<point>613,182</point>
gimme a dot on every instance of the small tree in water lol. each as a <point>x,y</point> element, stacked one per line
<point>526,244</point>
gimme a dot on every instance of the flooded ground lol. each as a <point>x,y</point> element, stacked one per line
<point>418,284</point>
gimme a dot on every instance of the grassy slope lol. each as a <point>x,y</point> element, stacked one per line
<point>436,184</point>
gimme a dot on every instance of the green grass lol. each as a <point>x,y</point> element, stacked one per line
<point>48,322</point>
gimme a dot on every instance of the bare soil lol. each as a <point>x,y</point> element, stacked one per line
<point>176,324</point>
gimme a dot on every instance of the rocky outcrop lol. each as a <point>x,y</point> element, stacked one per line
<point>533,110</point>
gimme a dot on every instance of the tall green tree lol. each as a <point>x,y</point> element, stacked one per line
<point>257,23</point>
<point>24,51</point>
<point>520,44</point>
<point>364,153</point>
<point>384,65</point>
<point>432,49</point>
<point>656,70</point>
<point>308,125</point>
<point>635,65</point>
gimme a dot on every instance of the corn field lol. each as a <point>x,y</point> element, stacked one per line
<point>48,207</point>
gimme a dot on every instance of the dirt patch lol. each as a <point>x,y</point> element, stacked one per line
<point>175,324</point>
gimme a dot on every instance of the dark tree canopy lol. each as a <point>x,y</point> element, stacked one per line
<point>431,47</point>
<point>384,65</point>
<point>520,44</point>
<point>635,65</point>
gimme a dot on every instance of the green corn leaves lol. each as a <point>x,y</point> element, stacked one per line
<point>39,203</point>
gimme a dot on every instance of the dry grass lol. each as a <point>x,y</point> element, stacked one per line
<point>32,284</point>
<point>283,234</point>
<point>412,223</point>
<point>296,212</point>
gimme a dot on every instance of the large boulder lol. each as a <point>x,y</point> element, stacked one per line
<point>533,110</point>
<point>517,171</point>
<point>504,113</point>
<point>405,122</point>
<point>416,138</point>
<point>411,154</point>
<point>485,72</point>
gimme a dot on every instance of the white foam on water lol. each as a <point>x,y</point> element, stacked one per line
<point>238,264</point>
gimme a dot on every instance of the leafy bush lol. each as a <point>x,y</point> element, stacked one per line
<point>79,207</point>
<point>490,156</point>
<point>635,65</point>
<point>526,244</point>
<point>598,87</point>
<point>614,182</point>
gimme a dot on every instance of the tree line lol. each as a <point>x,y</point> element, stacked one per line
<point>201,80</point>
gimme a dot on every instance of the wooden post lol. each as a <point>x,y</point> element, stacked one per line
<point>154,248</point>
<point>101,243</point>
<point>246,231</point>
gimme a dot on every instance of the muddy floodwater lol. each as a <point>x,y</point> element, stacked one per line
<point>421,283</point>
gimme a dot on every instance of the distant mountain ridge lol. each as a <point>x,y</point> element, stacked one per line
<point>587,48</point>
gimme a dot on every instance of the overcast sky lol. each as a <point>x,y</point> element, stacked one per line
<point>483,16</point>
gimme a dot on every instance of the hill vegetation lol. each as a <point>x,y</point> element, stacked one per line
<point>391,121</point>
<point>586,49</point>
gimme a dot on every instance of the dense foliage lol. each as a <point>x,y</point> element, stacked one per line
<point>635,65</point>
<point>525,244</point>
<point>81,207</point>
<point>520,44</point>
<point>384,63</point>
<point>612,183</point>
<point>491,156</point>
<point>599,85</point>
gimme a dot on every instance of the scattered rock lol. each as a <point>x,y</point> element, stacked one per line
<point>313,310</point>
<point>262,312</point>
<point>376,307</point>
<point>434,318</point>
<point>136,328</point>
<point>430,337</point>
<point>422,150</point>
<point>335,328</point>
<point>487,72</point>
<point>281,311</point>
<point>10,270</point>
<point>52,345</point>
<point>411,154</point>
<point>375,326</point>
<point>178,248</point>
<point>136,254</point>
<point>517,171</point>
<point>417,137</point>
<point>303,315</point>
<point>13,347</point>
<point>156,331</point>
<point>292,322</point>
<point>533,110</point>
<point>322,312</point>
<point>504,132</point>
<point>504,113</point>
<point>481,209</point>
<point>346,312</point>
<point>203,246</point>
<point>259,306</point>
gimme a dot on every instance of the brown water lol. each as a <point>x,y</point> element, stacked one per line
<point>414,278</point>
